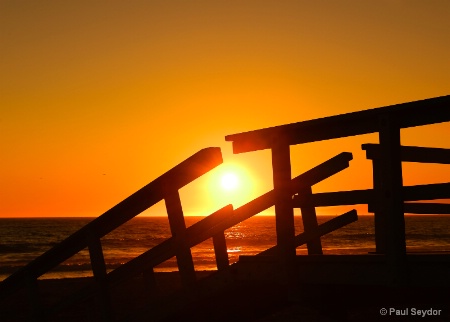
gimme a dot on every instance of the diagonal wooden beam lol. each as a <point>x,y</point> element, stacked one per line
<point>226,217</point>
<point>179,176</point>
<point>322,229</point>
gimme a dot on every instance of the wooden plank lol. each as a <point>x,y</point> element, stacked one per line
<point>176,178</point>
<point>380,221</point>
<point>322,171</point>
<point>284,214</point>
<point>427,192</point>
<point>429,111</point>
<point>366,196</point>
<point>327,227</point>
<point>178,229</point>
<point>210,221</point>
<point>196,236</point>
<point>309,219</point>
<point>427,208</point>
<point>390,198</point>
<point>323,229</point>
<point>220,250</point>
<point>99,270</point>
<point>97,259</point>
<point>421,192</point>
<point>185,172</point>
<point>338,198</point>
<point>412,154</point>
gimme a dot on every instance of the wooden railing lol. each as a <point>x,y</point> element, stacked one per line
<point>212,226</point>
<point>386,200</point>
<point>387,122</point>
<point>165,187</point>
<point>436,191</point>
<point>409,193</point>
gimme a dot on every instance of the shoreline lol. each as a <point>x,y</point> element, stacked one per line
<point>69,273</point>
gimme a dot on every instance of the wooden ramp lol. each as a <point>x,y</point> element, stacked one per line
<point>276,277</point>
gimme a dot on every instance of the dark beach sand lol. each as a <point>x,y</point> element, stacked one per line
<point>263,302</point>
<point>126,296</point>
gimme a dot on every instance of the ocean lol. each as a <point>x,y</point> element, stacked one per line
<point>24,239</point>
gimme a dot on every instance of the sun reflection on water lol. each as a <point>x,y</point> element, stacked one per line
<point>234,250</point>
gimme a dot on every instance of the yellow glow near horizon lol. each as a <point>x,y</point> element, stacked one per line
<point>232,184</point>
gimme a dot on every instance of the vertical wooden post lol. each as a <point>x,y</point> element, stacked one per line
<point>392,198</point>
<point>379,213</point>
<point>309,219</point>
<point>178,229</point>
<point>284,212</point>
<point>34,299</point>
<point>100,277</point>
<point>220,250</point>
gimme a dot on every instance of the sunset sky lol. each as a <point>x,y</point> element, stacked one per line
<point>98,98</point>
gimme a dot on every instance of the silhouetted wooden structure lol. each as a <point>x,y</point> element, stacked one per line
<point>390,265</point>
<point>388,186</point>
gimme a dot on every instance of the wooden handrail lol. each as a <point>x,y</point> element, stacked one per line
<point>185,172</point>
<point>428,111</point>
<point>217,222</point>
<point>225,218</point>
<point>209,227</point>
<point>386,120</point>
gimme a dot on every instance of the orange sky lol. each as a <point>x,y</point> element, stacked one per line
<point>98,99</point>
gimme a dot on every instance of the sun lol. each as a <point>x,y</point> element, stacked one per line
<point>229,181</point>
